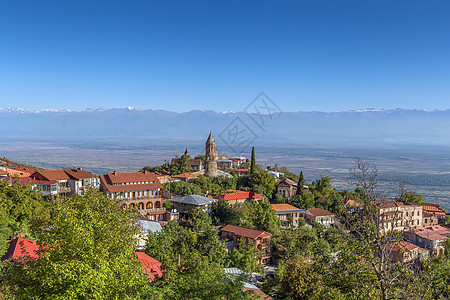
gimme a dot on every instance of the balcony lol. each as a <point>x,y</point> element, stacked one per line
<point>144,211</point>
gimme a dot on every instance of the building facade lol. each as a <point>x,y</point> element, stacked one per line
<point>211,157</point>
<point>258,238</point>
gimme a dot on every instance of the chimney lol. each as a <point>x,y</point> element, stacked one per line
<point>145,172</point>
<point>115,173</point>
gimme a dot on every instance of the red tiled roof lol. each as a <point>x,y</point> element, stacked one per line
<point>318,212</point>
<point>150,265</point>
<point>432,233</point>
<point>238,170</point>
<point>351,202</point>
<point>245,232</point>
<point>15,173</point>
<point>289,181</point>
<point>21,247</point>
<point>78,174</point>
<point>109,179</point>
<point>401,246</point>
<point>186,175</point>
<point>430,208</point>
<point>52,175</point>
<point>239,195</point>
<point>26,169</point>
<point>284,207</point>
<point>386,204</point>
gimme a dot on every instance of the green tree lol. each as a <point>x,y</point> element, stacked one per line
<point>222,213</point>
<point>300,184</point>
<point>193,259</point>
<point>263,183</point>
<point>87,252</point>
<point>252,161</point>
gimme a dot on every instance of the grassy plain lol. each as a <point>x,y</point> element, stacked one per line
<point>422,169</point>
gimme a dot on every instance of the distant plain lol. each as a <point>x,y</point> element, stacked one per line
<point>423,169</point>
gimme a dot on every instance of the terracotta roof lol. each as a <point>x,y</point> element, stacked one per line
<point>78,174</point>
<point>239,170</point>
<point>289,181</point>
<point>430,208</point>
<point>109,179</point>
<point>401,246</point>
<point>21,247</point>
<point>162,173</point>
<point>15,173</point>
<point>245,232</point>
<point>150,265</point>
<point>239,195</point>
<point>386,204</point>
<point>284,207</point>
<point>318,212</point>
<point>53,174</point>
<point>26,169</point>
<point>186,175</point>
<point>351,202</point>
<point>433,233</point>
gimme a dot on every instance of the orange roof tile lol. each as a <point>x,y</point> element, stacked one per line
<point>318,212</point>
<point>150,265</point>
<point>401,246</point>
<point>21,247</point>
<point>245,232</point>
<point>351,202</point>
<point>53,174</point>
<point>110,179</point>
<point>15,173</point>
<point>239,195</point>
<point>284,207</point>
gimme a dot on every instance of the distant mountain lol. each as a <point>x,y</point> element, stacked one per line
<point>362,127</point>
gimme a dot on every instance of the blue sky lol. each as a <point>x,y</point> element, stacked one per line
<point>183,55</point>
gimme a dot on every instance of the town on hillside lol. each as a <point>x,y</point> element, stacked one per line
<point>263,231</point>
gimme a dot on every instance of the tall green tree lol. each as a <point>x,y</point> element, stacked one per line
<point>252,161</point>
<point>87,252</point>
<point>300,184</point>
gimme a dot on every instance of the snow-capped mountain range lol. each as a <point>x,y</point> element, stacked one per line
<point>368,126</point>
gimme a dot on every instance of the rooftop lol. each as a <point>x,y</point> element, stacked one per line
<point>245,232</point>
<point>318,212</point>
<point>195,200</point>
<point>285,208</point>
<point>239,195</point>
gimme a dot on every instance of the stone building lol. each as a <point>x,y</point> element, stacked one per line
<point>211,158</point>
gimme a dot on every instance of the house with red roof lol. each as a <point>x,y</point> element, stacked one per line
<point>321,216</point>
<point>141,189</point>
<point>393,215</point>
<point>233,235</point>
<point>239,172</point>
<point>239,197</point>
<point>431,238</point>
<point>150,266</point>
<point>70,181</point>
<point>287,188</point>
<point>402,251</point>
<point>20,248</point>
<point>288,213</point>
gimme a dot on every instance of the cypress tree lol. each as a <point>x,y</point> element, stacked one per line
<point>300,184</point>
<point>252,161</point>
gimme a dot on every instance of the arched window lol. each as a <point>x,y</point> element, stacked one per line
<point>157,204</point>
<point>149,205</point>
<point>141,205</point>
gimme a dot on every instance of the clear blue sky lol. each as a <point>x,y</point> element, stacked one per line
<point>183,55</point>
